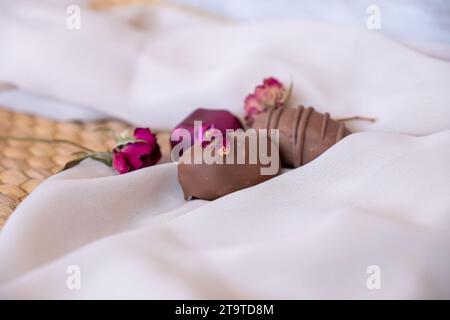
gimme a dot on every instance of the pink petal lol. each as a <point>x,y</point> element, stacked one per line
<point>134,151</point>
<point>265,95</point>
<point>273,82</point>
<point>145,134</point>
<point>119,162</point>
<point>152,158</point>
<point>252,102</point>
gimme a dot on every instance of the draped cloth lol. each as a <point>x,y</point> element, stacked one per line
<point>377,200</point>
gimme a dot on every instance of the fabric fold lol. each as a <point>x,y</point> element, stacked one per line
<point>367,201</point>
<point>374,201</point>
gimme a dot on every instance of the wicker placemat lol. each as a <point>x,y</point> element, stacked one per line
<point>24,164</point>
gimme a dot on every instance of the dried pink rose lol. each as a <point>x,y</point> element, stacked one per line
<point>252,107</point>
<point>139,151</point>
<point>271,94</point>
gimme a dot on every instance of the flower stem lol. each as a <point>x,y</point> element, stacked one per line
<point>31,139</point>
<point>357,118</point>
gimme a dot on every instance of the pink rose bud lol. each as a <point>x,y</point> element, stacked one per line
<point>210,119</point>
<point>271,94</point>
<point>142,152</point>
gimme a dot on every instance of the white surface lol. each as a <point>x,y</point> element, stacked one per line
<point>373,199</point>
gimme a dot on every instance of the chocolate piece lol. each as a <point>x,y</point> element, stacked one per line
<point>211,181</point>
<point>304,133</point>
<point>210,118</point>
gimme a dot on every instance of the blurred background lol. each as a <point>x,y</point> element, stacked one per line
<point>421,25</point>
<point>412,21</point>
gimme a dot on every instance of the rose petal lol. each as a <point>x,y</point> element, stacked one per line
<point>253,103</point>
<point>266,95</point>
<point>134,151</point>
<point>273,82</point>
<point>146,135</point>
<point>152,158</point>
<point>119,162</point>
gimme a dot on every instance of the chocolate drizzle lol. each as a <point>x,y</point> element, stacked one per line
<point>301,133</point>
<point>304,132</point>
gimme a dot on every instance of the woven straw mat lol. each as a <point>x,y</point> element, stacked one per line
<point>24,164</point>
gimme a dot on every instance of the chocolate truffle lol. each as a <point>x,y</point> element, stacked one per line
<point>304,133</point>
<point>206,181</point>
<point>210,118</point>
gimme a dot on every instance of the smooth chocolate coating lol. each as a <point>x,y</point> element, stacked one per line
<point>212,181</point>
<point>304,133</point>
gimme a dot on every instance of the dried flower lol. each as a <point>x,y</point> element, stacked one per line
<point>271,94</point>
<point>139,151</point>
